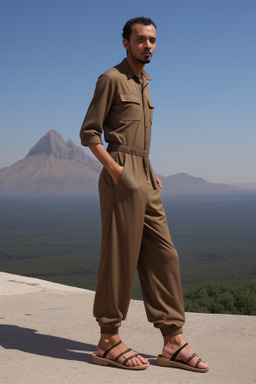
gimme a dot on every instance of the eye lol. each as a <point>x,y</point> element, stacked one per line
<point>152,40</point>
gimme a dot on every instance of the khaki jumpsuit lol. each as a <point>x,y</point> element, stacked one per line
<point>135,234</point>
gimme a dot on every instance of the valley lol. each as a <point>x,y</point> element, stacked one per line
<point>59,239</point>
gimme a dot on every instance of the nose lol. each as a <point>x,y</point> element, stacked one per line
<point>147,44</point>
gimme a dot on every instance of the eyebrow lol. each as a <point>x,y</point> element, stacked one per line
<point>150,37</point>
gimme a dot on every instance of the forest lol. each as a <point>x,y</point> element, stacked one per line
<point>231,298</point>
<point>59,240</point>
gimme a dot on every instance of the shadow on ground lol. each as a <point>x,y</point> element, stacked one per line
<point>29,341</point>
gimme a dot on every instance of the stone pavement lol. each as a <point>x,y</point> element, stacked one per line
<point>47,335</point>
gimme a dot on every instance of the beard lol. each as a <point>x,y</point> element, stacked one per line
<point>145,61</point>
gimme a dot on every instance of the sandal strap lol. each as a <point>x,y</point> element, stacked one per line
<point>108,350</point>
<point>128,358</point>
<point>190,358</point>
<point>197,363</point>
<point>122,353</point>
<point>177,352</point>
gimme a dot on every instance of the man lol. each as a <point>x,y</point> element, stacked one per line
<point>134,228</point>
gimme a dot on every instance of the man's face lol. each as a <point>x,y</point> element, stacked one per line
<point>142,43</point>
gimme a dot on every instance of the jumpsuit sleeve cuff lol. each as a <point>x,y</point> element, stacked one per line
<point>91,140</point>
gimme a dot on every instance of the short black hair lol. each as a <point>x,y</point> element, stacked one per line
<point>127,29</point>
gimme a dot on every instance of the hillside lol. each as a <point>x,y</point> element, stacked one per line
<point>182,183</point>
<point>57,167</point>
<point>52,166</point>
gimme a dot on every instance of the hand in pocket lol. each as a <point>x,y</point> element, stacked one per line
<point>116,174</point>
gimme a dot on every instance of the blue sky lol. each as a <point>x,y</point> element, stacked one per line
<point>203,70</point>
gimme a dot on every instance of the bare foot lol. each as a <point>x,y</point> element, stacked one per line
<point>107,341</point>
<point>173,343</point>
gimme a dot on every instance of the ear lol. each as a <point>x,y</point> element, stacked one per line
<point>126,44</point>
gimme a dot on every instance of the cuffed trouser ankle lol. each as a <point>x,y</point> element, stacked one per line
<point>135,235</point>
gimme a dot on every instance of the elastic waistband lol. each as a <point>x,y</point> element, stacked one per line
<point>112,147</point>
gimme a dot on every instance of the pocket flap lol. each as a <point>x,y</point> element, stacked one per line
<point>129,98</point>
<point>150,104</point>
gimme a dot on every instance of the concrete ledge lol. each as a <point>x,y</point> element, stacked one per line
<point>11,284</point>
<point>47,334</point>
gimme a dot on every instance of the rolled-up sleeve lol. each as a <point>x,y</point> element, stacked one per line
<point>92,126</point>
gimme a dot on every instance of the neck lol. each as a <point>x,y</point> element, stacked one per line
<point>135,65</point>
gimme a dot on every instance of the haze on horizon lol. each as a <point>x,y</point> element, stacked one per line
<point>203,71</point>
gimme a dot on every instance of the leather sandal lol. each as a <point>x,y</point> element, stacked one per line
<point>179,363</point>
<point>103,360</point>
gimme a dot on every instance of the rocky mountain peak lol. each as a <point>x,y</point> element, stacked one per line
<point>52,143</point>
<point>53,166</point>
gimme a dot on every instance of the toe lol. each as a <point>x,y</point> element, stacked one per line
<point>203,365</point>
<point>142,360</point>
<point>133,362</point>
<point>136,362</point>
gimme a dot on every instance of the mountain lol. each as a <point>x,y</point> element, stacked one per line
<point>53,166</point>
<point>246,186</point>
<point>181,183</point>
<point>57,167</point>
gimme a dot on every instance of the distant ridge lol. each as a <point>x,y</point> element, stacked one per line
<point>55,167</point>
<point>246,186</point>
<point>182,183</point>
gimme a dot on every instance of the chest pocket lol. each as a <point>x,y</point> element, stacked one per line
<point>130,106</point>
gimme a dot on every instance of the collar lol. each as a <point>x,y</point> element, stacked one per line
<point>129,72</point>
